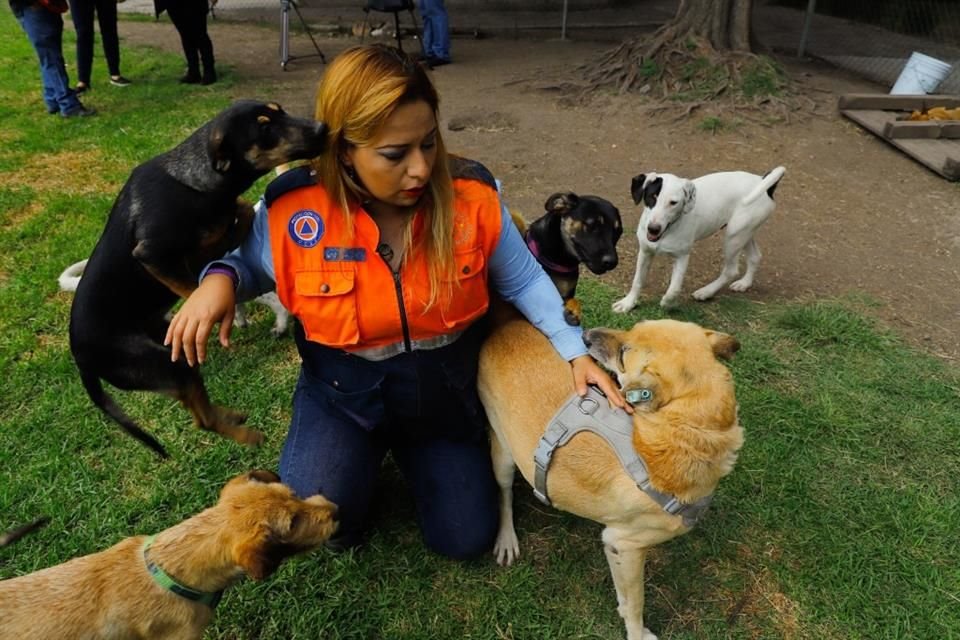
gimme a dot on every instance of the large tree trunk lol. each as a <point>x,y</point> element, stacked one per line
<point>725,24</point>
<point>703,35</point>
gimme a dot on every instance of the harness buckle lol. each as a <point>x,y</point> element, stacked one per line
<point>673,506</point>
<point>588,406</point>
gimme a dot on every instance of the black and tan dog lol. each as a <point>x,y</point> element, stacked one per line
<point>574,230</point>
<point>176,213</point>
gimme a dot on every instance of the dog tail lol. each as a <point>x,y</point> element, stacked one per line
<point>70,277</point>
<point>768,183</point>
<point>15,534</point>
<point>91,382</point>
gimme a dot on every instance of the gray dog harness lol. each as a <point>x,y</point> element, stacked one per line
<point>593,413</point>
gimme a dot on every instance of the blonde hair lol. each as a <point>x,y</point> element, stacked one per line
<point>358,93</point>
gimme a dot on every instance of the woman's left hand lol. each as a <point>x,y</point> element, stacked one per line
<point>586,372</point>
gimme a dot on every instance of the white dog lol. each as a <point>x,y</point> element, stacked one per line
<point>70,278</point>
<point>678,212</point>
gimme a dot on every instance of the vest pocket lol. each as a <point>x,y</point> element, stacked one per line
<point>469,296</point>
<point>327,306</point>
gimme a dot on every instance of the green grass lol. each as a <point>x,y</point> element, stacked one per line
<point>840,520</point>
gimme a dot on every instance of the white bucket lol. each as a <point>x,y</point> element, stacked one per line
<point>922,74</point>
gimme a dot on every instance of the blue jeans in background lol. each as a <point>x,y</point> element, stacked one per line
<point>44,29</point>
<point>436,29</point>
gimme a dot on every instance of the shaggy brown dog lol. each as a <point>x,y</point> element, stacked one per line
<point>684,428</point>
<point>117,593</point>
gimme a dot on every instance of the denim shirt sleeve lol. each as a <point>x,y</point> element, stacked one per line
<point>252,260</point>
<point>520,280</point>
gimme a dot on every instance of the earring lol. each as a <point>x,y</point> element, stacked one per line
<point>351,173</point>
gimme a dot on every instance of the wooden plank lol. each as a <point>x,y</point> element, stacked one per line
<point>863,101</point>
<point>940,155</point>
<point>928,129</point>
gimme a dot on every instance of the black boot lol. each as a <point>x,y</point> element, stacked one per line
<point>191,77</point>
<point>209,75</point>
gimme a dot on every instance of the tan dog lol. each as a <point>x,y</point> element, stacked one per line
<point>685,430</point>
<point>116,593</point>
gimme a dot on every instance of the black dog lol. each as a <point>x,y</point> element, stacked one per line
<point>176,213</point>
<point>575,229</point>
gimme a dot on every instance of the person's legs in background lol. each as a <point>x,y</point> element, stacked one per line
<point>204,44</point>
<point>181,16</point>
<point>436,32</point>
<point>44,29</point>
<point>107,19</point>
<point>81,12</point>
<point>190,19</point>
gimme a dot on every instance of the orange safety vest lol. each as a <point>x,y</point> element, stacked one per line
<point>346,296</point>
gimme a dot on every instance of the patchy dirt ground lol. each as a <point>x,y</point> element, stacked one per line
<point>854,216</point>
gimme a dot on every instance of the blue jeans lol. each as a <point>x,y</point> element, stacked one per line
<point>44,29</point>
<point>422,408</point>
<point>436,29</point>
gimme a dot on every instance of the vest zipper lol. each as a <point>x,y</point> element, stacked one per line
<point>403,311</point>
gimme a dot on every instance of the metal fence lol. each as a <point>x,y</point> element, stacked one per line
<point>872,38</point>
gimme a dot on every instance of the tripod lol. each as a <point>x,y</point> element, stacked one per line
<point>285,56</point>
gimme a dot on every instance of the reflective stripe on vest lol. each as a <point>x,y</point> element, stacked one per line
<point>346,295</point>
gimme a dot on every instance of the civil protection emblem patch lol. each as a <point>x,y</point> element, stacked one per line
<point>306,228</point>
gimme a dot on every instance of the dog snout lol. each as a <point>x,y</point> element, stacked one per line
<point>588,338</point>
<point>609,261</point>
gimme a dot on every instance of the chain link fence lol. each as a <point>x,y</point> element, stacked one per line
<point>872,38</point>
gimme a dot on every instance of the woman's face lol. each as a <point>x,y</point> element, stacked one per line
<point>396,166</point>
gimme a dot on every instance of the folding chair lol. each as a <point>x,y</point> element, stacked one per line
<point>394,7</point>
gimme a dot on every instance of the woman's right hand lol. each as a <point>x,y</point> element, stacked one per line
<point>213,301</point>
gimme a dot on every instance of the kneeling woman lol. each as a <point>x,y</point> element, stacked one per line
<point>384,250</point>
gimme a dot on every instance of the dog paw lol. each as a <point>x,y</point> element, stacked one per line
<point>624,304</point>
<point>572,319</point>
<point>703,294</point>
<point>507,549</point>
<point>279,328</point>
<point>741,285</point>
<point>250,437</point>
<point>669,302</point>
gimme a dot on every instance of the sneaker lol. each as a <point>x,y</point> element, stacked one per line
<point>53,110</point>
<point>81,88</point>
<point>434,61</point>
<point>79,112</point>
<point>119,81</point>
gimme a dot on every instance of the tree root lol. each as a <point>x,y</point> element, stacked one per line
<point>678,71</point>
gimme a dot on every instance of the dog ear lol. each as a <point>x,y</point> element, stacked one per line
<point>257,475</point>
<point>723,344</point>
<point>561,202</point>
<point>263,475</point>
<point>636,187</point>
<point>219,158</point>
<point>689,196</point>
<point>252,553</point>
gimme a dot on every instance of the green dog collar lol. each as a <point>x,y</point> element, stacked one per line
<point>164,580</point>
